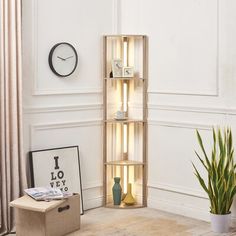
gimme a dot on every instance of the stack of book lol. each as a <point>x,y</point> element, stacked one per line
<point>46,193</point>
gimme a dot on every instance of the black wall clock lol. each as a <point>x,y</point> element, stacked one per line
<point>63,59</point>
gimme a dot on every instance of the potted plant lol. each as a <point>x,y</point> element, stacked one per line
<point>221,183</point>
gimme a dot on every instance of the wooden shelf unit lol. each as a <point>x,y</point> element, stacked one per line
<point>125,140</point>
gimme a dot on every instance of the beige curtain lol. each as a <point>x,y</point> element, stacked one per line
<point>12,171</point>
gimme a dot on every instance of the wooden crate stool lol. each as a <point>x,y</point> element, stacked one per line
<point>41,218</point>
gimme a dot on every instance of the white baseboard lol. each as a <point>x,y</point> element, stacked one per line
<point>178,209</point>
<point>93,202</point>
<point>178,203</point>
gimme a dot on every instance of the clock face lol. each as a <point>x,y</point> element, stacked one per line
<point>63,59</point>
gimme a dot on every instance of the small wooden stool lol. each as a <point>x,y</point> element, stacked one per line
<point>40,218</point>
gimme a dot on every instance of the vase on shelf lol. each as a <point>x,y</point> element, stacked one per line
<point>111,75</point>
<point>116,191</point>
<point>129,199</point>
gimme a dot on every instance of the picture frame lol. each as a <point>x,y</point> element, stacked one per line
<point>57,167</point>
<point>117,66</point>
<point>128,72</point>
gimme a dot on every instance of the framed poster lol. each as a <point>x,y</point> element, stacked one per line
<point>57,168</point>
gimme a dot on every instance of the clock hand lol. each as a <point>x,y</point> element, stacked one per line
<point>63,59</point>
<point>118,66</point>
<point>68,57</point>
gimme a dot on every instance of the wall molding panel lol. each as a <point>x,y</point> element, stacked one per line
<point>185,125</point>
<point>178,189</point>
<point>194,208</point>
<point>174,197</point>
<point>173,43</point>
<point>93,202</point>
<point>208,110</point>
<point>217,88</point>
<point>68,108</point>
<point>36,90</point>
<point>62,125</point>
<point>186,93</point>
<point>165,204</point>
<point>88,90</point>
<point>91,185</point>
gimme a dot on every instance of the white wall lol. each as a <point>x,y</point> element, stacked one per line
<point>62,112</point>
<point>192,69</point>
<point>192,54</point>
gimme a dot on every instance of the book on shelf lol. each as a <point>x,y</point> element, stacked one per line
<point>46,193</point>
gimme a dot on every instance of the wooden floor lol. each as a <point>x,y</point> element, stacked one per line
<point>141,222</point>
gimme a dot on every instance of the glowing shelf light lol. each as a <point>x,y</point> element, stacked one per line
<point>125,138</point>
<point>125,51</point>
<point>125,96</point>
<point>125,178</point>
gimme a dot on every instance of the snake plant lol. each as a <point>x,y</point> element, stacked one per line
<point>220,167</point>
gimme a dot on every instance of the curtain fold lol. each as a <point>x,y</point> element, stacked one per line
<point>12,162</point>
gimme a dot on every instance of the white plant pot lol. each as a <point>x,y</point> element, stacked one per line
<point>220,223</point>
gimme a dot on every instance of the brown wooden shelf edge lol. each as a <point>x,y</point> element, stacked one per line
<point>125,35</point>
<point>123,206</point>
<point>124,121</point>
<point>125,78</point>
<point>125,163</point>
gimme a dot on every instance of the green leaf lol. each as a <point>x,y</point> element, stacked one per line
<point>203,149</point>
<point>221,170</point>
<point>220,140</point>
<point>201,160</point>
<point>200,179</point>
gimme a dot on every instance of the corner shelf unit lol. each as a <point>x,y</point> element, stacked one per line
<point>125,138</point>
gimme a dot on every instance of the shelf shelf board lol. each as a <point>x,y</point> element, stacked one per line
<point>123,206</point>
<point>124,121</point>
<point>124,78</point>
<point>124,163</point>
<point>125,35</point>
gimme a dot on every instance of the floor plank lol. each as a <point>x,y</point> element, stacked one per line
<point>141,222</point>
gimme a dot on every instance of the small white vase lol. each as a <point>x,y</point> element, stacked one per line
<point>220,223</point>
